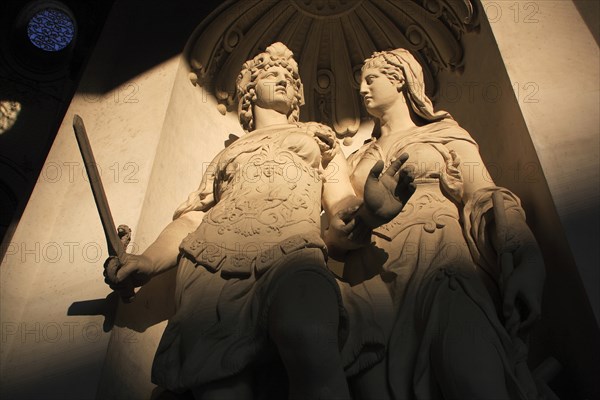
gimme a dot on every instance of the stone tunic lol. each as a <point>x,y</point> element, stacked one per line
<point>262,202</point>
<point>435,250</point>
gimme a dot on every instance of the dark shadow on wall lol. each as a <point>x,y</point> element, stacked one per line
<point>590,12</point>
<point>157,37</point>
<point>153,303</point>
<point>568,331</point>
<point>43,85</point>
<point>45,98</point>
<point>79,377</point>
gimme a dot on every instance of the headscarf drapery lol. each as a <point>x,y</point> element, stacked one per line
<point>398,64</point>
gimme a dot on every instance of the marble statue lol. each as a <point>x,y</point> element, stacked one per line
<point>464,270</point>
<point>252,287</point>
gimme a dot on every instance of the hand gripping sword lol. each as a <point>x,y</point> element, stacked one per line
<point>115,246</point>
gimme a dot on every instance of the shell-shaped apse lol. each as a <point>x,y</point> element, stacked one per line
<point>330,40</point>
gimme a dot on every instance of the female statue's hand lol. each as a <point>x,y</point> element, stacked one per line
<point>135,271</point>
<point>341,233</point>
<point>386,194</point>
<point>523,288</point>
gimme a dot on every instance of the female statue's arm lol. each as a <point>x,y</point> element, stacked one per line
<point>350,220</point>
<point>340,205</point>
<point>521,283</point>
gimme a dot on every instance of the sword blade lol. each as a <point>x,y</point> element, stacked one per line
<point>115,247</point>
<point>113,241</point>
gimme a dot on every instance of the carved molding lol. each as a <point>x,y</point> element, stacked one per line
<point>9,111</point>
<point>330,39</point>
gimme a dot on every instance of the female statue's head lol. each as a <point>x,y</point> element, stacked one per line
<point>406,74</point>
<point>270,80</point>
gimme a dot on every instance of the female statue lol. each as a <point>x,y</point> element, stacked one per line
<point>252,286</point>
<point>448,340</point>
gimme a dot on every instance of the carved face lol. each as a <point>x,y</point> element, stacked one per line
<point>378,91</point>
<point>275,90</point>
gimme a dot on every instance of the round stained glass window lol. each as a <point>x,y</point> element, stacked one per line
<point>51,29</point>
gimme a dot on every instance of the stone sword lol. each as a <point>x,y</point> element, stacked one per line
<point>115,245</point>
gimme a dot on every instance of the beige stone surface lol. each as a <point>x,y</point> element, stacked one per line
<point>483,100</point>
<point>553,63</point>
<point>192,133</point>
<point>59,246</point>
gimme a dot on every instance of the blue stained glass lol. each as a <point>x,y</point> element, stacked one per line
<point>51,29</point>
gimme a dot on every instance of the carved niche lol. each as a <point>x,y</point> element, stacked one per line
<point>330,39</point>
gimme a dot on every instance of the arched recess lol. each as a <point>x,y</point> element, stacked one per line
<point>330,41</point>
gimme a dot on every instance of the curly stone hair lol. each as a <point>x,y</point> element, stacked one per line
<point>276,54</point>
